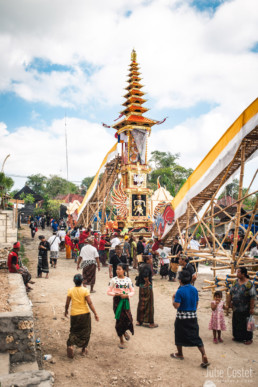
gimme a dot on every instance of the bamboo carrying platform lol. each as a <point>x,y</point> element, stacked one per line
<point>192,222</point>
<point>98,201</point>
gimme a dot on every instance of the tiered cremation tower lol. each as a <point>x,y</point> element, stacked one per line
<point>132,197</point>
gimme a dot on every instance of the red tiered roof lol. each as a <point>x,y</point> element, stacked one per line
<point>134,109</point>
<point>134,99</point>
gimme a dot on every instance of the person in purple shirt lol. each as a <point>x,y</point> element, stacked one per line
<point>185,300</point>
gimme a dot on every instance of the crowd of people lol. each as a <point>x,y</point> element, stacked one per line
<point>146,258</point>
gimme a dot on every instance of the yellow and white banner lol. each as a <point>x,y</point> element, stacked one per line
<point>111,154</point>
<point>217,159</point>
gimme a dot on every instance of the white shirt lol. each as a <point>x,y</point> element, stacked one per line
<point>54,242</point>
<point>194,245</point>
<point>164,253</point>
<point>114,242</point>
<point>89,253</point>
<point>254,252</point>
<point>61,234</point>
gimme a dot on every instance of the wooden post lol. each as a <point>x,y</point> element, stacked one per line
<point>239,205</point>
<point>87,215</point>
<point>104,201</point>
<point>248,230</point>
<point>213,236</point>
<point>187,226</point>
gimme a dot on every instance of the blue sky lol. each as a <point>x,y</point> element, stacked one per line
<point>198,61</point>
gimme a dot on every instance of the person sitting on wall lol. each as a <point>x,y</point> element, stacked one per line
<point>14,266</point>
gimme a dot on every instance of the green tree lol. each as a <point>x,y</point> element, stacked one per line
<point>14,192</point>
<point>6,184</point>
<point>53,208</point>
<point>231,190</point>
<point>249,202</point>
<point>38,211</point>
<point>57,185</point>
<point>37,183</point>
<point>28,198</point>
<point>86,182</point>
<point>171,174</point>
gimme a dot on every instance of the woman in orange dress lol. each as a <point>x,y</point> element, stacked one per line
<point>68,246</point>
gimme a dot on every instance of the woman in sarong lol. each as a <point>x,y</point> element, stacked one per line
<point>185,300</point>
<point>145,309</point>
<point>43,248</point>
<point>242,300</point>
<point>121,288</point>
<point>80,318</point>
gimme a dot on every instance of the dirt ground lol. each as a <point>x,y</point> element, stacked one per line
<point>4,293</point>
<point>146,359</point>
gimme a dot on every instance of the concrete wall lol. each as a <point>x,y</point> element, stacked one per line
<point>8,229</point>
<point>17,327</point>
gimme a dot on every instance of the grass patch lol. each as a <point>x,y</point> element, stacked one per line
<point>24,259</point>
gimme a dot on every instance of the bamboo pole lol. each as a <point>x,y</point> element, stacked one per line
<point>248,229</point>
<point>232,217</point>
<point>239,205</point>
<point>236,202</point>
<point>179,230</point>
<point>213,232</point>
<point>187,226</point>
<point>218,242</point>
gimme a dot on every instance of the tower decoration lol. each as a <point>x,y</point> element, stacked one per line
<point>132,197</point>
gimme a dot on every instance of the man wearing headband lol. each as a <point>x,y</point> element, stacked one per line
<point>14,266</point>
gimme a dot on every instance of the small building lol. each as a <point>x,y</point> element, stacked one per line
<point>27,209</point>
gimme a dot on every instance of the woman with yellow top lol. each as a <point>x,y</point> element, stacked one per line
<point>80,317</point>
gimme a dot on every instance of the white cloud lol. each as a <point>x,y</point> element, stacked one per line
<point>43,151</point>
<point>186,55</point>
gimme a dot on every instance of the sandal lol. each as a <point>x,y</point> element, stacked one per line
<point>248,342</point>
<point>70,352</point>
<point>176,356</point>
<point>153,326</point>
<point>215,341</point>
<point>126,336</point>
<point>84,353</point>
<point>205,362</point>
<point>221,341</point>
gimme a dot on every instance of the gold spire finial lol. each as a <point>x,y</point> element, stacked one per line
<point>133,55</point>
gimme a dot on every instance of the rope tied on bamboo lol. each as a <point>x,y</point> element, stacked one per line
<point>227,281</point>
<point>216,281</point>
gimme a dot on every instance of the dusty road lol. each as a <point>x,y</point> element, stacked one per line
<point>146,359</point>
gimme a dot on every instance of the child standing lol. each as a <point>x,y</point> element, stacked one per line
<point>217,322</point>
<point>75,249</point>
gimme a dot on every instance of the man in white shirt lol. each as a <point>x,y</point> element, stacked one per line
<point>163,253</point>
<point>194,245</point>
<point>89,257</point>
<point>61,234</point>
<point>114,241</point>
<point>54,242</point>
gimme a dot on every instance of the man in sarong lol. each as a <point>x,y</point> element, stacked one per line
<point>89,257</point>
<point>14,266</point>
<point>185,300</point>
<point>145,309</point>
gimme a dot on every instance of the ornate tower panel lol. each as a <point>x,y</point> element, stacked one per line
<point>132,197</point>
